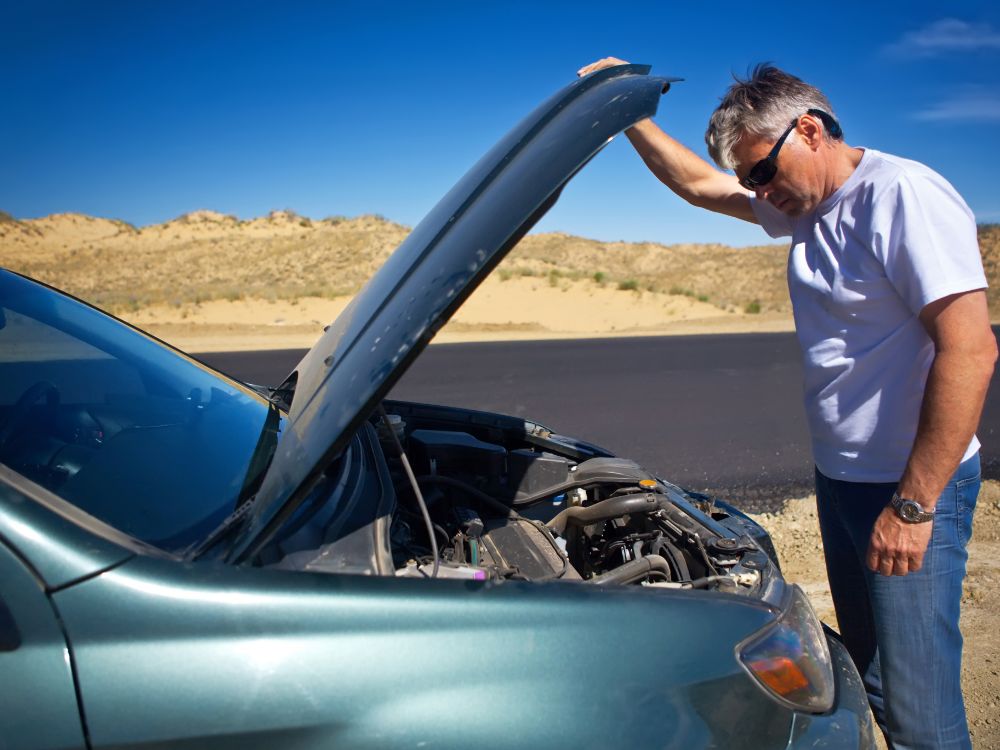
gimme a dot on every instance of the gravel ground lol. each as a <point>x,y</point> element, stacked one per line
<point>796,536</point>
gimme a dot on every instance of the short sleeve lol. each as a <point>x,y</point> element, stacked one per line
<point>925,236</point>
<point>774,222</point>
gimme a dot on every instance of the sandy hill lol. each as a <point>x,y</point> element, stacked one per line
<point>199,256</point>
<point>205,255</point>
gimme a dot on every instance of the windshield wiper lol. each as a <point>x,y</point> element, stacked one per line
<point>233,522</point>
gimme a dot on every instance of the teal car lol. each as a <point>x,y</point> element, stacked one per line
<point>190,561</point>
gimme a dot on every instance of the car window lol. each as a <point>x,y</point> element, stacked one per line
<point>132,432</point>
<point>30,350</point>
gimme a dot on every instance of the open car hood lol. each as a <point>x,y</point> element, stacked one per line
<point>367,349</point>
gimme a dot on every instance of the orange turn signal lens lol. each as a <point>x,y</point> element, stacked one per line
<point>790,658</point>
<point>781,674</point>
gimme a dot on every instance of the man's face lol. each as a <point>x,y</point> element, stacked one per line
<point>794,189</point>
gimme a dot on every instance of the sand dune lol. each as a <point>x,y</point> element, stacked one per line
<point>208,281</point>
<point>519,308</point>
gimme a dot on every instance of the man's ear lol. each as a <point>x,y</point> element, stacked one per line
<point>810,131</point>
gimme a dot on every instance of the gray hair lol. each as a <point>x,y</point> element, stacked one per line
<point>762,105</point>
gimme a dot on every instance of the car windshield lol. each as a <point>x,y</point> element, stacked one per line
<point>134,433</point>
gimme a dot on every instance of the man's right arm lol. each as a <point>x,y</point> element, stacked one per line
<point>679,168</point>
<point>688,175</point>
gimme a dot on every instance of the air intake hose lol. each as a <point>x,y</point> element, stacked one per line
<point>634,570</point>
<point>613,507</point>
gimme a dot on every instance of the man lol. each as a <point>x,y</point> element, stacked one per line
<point>887,289</point>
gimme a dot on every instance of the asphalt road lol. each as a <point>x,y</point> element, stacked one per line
<point>719,413</point>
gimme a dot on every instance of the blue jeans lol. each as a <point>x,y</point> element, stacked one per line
<point>902,631</point>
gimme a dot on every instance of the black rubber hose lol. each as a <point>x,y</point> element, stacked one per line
<point>613,507</point>
<point>666,548</point>
<point>634,570</point>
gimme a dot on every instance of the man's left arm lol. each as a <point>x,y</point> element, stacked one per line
<point>965,352</point>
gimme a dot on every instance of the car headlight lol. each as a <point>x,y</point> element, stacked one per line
<point>790,658</point>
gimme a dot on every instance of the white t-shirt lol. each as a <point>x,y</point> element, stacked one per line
<point>862,266</point>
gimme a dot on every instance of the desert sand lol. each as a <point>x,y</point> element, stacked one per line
<point>519,308</point>
<point>208,281</point>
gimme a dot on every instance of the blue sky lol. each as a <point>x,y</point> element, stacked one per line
<point>146,110</point>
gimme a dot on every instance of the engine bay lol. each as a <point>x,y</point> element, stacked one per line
<point>533,509</point>
<point>503,499</point>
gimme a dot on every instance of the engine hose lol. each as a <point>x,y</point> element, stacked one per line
<point>634,570</point>
<point>673,555</point>
<point>613,507</point>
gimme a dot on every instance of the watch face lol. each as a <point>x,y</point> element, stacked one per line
<point>910,510</point>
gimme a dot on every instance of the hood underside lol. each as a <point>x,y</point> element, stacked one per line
<point>390,321</point>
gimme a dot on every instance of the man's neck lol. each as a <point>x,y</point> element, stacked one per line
<point>843,161</point>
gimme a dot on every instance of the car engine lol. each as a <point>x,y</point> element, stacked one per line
<point>539,509</point>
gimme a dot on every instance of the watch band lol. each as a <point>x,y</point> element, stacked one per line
<point>910,510</point>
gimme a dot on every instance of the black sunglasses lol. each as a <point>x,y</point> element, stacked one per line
<point>764,171</point>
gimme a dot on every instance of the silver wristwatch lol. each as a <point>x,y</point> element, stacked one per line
<point>910,510</point>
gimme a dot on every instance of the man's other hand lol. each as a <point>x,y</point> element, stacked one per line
<point>897,547</point>
<point>607,62</point>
